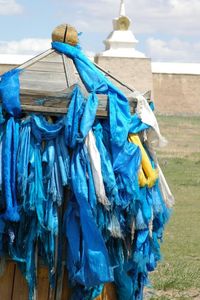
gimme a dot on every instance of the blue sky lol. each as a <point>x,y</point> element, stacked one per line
<point>167,30</point>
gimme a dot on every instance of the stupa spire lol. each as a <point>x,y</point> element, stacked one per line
<point>121,41</point>
<point>122,10</point>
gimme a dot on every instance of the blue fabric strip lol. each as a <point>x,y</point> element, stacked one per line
<point>10,92</point>
<point>9,169</point>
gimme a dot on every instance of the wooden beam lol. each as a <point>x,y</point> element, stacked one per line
<point>35,59</point>
<point>7,281</point>
<point>54,110</point>
<point>66,70</point>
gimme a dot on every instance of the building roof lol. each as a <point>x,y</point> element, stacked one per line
<point>176,68</point>
<point>14,59</point>
<point>47,81</point>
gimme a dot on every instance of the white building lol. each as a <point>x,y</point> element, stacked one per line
<point>175,86</point>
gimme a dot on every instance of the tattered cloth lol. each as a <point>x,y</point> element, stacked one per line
<point>116,210</point>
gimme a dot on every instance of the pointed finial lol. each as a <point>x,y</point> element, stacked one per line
<point>122,11</point>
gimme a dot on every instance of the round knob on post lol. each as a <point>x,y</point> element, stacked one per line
<point>65,33</point>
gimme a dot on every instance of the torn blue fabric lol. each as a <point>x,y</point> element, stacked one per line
<point>97,83</point>
<point>21,246</point>
<point>42,160</point>
<point>43,171</point>
<point>72,120</point>
<point>2,120</point>
<point>82,293</point>
<point>1,158</point>
<point>10,146</point>
<point>10,92</point>
<point>43,130</point>
<point>23,157</point>
<point>137,125</point>
<point>88,261</point>
<point>106,166</point>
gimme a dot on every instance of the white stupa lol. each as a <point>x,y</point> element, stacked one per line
<point>121,41</point>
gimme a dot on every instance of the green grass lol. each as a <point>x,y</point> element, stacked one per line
<point>180,268</point>
<point>183,134</point>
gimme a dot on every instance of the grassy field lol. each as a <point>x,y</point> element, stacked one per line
<point>178,275</point>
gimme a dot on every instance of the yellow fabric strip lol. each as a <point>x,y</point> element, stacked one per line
<point>108,293</point>
<point>147,175</point>
<point>142,179</point>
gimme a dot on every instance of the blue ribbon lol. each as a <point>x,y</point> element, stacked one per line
<point>10,147</point>
<point>97,83</point>
<point>10,92</point>
<point>88,261</point>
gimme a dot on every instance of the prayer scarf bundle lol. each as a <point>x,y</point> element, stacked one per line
<point>118,201</point>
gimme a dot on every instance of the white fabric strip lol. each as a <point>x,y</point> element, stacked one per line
<point>165,190</point>
<point>147,116</point>
<point>95,162</point>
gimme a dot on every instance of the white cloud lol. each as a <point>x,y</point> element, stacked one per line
<point>175,20</point>
<point>173,17</point>
<point>25,46</point>
<point>174,50</point>
<point>10,7</point>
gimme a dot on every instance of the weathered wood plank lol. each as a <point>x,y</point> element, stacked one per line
<point>42,109</point>
<point>36,58</point>
<point>52,294</point>
<point>60,277</point>
<point>6,281</point>
<point>43,284</point>
<point>59,100</point>
<point>20,290</point>
<point>53,57</point>
<point>71,76</point>
<point>47,66</point>
<point>54,110</point>
<point>66,71</point>
<point>37,76</point>
<point>47,101</point>
<point>59,105</point>
<point>60,282</point>
<point>46,80</point>
<point>66,292</point>
<point>60,94</point>
<point>43,86</point>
